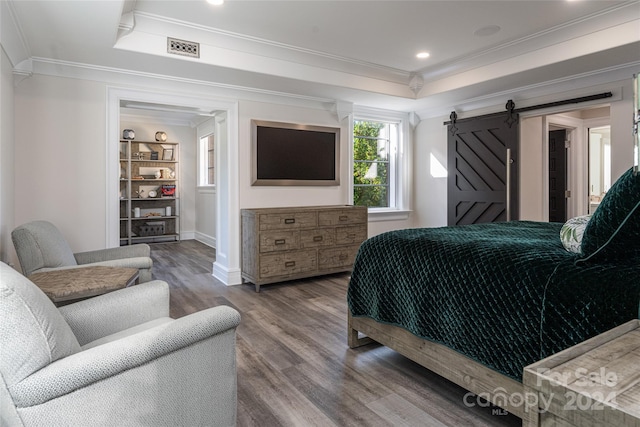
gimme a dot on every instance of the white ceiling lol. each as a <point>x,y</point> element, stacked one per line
<point>353,51</point>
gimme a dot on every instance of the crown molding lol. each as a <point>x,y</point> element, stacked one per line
<point>614,16</point>
<point>235,41</point>
<point>12,36</point>
<point>572,86</point>
<point>112,75</point>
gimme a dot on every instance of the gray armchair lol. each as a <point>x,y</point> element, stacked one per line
<point>41,247</point>
<point>113,360</point>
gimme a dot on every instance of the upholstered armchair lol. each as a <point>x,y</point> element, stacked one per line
<point>41,247</point>
<point>114,360</point>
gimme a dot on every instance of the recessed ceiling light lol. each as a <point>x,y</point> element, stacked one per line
<point>215,2</point>
<point>422,55</point>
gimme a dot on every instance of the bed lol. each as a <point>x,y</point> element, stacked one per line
<point>478,303</point>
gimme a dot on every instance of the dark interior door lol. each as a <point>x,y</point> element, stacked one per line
<point>557,176</point>
<point>483,178</point>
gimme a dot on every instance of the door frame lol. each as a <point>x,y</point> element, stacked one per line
<point>226,267</point>
<point>578,155</point>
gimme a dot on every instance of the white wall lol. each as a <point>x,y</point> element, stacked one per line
<point>60,165</point>
<point>145,130</point>
<point>430,185</point>
<point>621,132</point>
<point>206,196</point>
<point>7,200</point>
<point>531,161</point>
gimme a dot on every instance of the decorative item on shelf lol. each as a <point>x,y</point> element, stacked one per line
<point>167,211</point>
<point>172,174</point>
<point>128,134</point>
<point>158,174</point>
<point>161,136</point>
<point>167,154</point>
<point>153,193</point>
<point>168,190</point>
<point>154,155</point>
<point>136,212</point>
<point>142,194</point>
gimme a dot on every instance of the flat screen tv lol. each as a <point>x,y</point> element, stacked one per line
<point>292,154</point>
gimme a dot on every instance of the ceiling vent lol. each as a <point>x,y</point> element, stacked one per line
<point>183,47</point>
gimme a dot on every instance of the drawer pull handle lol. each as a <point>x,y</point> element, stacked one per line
<point>290,264</point>
<point>289,220</point>
<point>343,217</point>
<point>317,238</point>
<point>280,241</point>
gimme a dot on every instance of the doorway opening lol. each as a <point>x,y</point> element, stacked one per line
<point>542,189</point>
<point>226,267</point>
<point>558,192</point>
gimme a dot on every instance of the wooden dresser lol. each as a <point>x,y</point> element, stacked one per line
<point>280,244</point>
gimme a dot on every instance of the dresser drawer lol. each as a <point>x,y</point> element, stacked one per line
<point>342,217</point>
<point>279,240</point>
<point>288,263</point>
<point>317,237</point>
<point>280,244</point>
<point>337,257</point>
<point>354,234</point>
<point>283,221</point>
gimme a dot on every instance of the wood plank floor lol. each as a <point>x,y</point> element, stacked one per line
<point>294,365</point>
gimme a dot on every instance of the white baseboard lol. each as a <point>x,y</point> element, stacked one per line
<point>226,276</point>
<point>206,239</point>
<point>187,235</point>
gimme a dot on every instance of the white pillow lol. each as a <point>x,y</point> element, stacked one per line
<point>572,231</point>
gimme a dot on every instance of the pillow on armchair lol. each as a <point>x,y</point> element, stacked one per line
<point>613,232</point>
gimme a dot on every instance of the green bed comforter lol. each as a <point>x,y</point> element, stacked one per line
<point>503,294</point>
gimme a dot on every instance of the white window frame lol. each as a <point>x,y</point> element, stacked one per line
<point>400,163</point>
<point>203,132</point>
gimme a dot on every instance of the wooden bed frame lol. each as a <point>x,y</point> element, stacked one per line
<point>445,362</point>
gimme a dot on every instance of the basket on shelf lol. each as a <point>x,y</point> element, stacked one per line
<point>155,228</point>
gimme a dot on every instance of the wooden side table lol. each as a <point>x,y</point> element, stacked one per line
<point>72,284</point>
<point>594,383</point>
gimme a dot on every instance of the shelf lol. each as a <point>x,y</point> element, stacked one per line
<point>132,167</point>
<point>153,199</point>
<point>154,180</point>
<point>133,141</point>
<point>147,218</point>
<point>138,199</point>
<point>156,239</point>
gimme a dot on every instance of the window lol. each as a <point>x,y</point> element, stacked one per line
<point>380,163</point>
<point>372,162</point>
<point>206,175</point>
